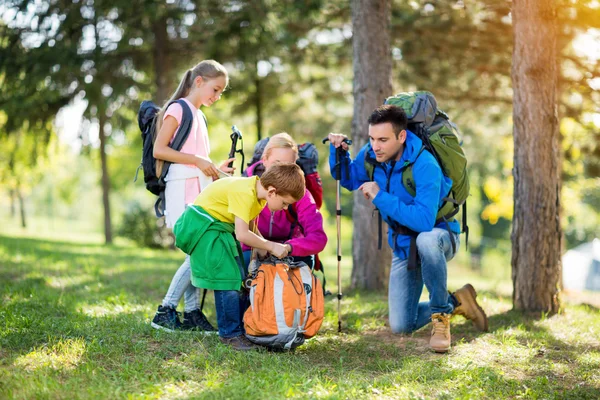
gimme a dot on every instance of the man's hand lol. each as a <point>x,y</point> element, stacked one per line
<point>369,189</point>
<point>337,140</point>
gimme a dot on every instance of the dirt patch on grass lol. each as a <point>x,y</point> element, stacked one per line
<point>418,341</point>
<point>576,297</point>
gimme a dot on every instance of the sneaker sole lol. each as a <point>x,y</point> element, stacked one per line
<point>162,328</point>
<point>473,292</point>
<point>205,333</point>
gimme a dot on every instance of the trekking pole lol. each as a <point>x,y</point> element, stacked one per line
<point>338,216</point>
<point>235,135</point>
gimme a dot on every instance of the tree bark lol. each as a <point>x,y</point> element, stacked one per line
<point>372,65</point>
<point>162,61</point>
<point>536,235</point>
<point>105,177</point>
<point>258,105</point>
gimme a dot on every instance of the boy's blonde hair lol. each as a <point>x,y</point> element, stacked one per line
<point>280,141</point>
<point>286,178</point>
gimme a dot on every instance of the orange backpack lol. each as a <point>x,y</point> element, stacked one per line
<point>286,304</point>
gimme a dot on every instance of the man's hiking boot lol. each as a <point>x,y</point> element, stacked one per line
<point>167,319</point>
<point>440,333</point>
<point>468,307</point>
<point>196,321</point>
<point>240,343</point>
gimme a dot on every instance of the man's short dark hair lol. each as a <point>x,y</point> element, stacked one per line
<point>392,114</point>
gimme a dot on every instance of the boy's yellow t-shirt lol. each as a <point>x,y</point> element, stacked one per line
<point>228,198</point>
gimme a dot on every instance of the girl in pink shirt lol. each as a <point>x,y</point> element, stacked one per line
<point>191,170</point>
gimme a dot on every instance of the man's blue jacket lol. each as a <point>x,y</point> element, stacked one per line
<point>396,205</point>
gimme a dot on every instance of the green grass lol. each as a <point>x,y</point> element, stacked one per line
<point>74,323</point>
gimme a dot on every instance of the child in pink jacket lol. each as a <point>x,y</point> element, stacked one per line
<point>300,227</point>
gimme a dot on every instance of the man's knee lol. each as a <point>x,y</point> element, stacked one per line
<point>428,242</point>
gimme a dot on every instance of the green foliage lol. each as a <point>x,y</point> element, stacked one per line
<point>290,69</point>
<point>140,225</point>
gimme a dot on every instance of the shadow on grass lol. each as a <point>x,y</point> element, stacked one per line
<point>121,349</point>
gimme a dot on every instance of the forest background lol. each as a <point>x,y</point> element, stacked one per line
<point>69,68</point>
<point>79,283</point>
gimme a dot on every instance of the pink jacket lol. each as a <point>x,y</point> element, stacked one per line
<point>305,234</point>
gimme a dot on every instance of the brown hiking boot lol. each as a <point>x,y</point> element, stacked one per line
<point>440,333</point>
<point>240,343</point>
<point>468,307</point>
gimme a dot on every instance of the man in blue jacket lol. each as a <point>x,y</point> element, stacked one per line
<point>391,149</point>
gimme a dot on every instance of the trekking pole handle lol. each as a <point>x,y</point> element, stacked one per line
<point>347,141</point>
<point>235,135</point>
<point>338,151</point>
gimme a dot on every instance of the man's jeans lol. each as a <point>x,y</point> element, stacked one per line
<point>406,313</point>
<point>231,305</point>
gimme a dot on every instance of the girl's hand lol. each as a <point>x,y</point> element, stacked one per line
<point>207,167</point>
<point>226,168</point>
<point>278,250</point>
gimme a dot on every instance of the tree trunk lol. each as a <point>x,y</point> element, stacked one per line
<point>258,104</point>
<point>372,64</point>
<point>13,208</point>
<point>21,205</point>
<point>162,61</point>
<point>105,177</point>
<point>536,235</point>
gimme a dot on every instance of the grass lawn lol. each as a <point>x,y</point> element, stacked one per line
<point>75,323</point>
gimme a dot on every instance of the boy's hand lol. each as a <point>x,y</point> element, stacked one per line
<point>261,254</point>
<point>278,250</point>
<point>337,140</point>
<point>369,189</point>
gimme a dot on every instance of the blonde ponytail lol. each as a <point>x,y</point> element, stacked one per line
<point>207,69</point>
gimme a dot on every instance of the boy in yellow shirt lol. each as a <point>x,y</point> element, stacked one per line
<point>211,229</point>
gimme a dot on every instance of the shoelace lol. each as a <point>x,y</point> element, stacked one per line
<point>440,325</point>
<point>173,316</point>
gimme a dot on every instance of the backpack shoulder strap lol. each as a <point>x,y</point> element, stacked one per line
<point>292,217</point>
<point>370,164</point>
<point>407,176</point>
<point>187,118</point>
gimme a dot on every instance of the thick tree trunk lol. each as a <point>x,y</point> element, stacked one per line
<point>105,177</point>
<point>162,61</point>
<point>372,64</point>
<point>536,235</point>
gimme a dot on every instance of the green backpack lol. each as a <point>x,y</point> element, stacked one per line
<point>442,138</point>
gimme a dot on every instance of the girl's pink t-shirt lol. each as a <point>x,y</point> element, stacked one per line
<point>196,143</point>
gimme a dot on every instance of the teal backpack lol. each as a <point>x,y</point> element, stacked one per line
<point>442,139</point>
